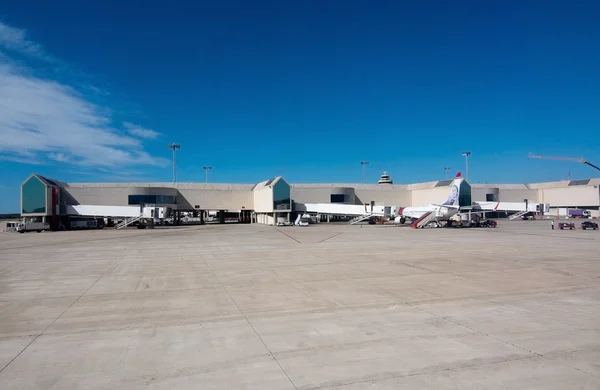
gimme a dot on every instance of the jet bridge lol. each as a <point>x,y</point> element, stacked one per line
<point>145,211</point>
<point>511,206</point>
<point>360,212</point>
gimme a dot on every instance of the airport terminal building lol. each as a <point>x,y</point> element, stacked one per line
<point>274,200</point>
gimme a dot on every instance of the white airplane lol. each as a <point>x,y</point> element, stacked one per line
<point>460,196</point>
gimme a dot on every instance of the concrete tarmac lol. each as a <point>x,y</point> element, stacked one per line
<point>324,306</point>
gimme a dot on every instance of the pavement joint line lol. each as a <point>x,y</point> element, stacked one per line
<point>477,331</point>
<point>489,297</point>
<point>521,358</point>
<point>287,235</point>
<point>580,370</point>
<point>70,306</point>
<point>335,235</point>
<point>253,329</point>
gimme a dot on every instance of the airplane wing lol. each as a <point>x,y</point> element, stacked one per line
<point>491,206</point>
<point>505,206</point>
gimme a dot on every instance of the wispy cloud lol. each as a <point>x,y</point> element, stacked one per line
<point>98,91</point>
<point>15,39</point>
<point>60,157</point>
<point>47,120</point>
<point>138,131</point>
<point>109,175</point>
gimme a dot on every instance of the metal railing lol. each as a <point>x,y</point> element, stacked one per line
<point>127,222</point>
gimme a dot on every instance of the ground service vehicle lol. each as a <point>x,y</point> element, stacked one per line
<point>488,223</point>
<point>33,226</point>
<point>578,213</point>
<point>566,225</point>
<point>589,225</point>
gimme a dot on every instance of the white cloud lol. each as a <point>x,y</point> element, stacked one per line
<point>14,39</point>
<point>42,119</point>
<point>98,91</point>
<point>138,131</point>
<point>60,157</point>
<point>109,175</point>
<point>21,160</point>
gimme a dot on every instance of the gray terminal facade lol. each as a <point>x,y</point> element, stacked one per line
<point>275,198</point>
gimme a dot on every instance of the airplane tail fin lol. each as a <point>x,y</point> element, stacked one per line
<point>453,197</point>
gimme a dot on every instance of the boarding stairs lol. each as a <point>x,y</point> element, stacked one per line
<point>360,218</point>
<point>127,222</point>
<point>518,215</point>
<point>424,220</point>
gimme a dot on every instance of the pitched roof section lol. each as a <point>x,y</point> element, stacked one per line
<point>46,181</point>
<point>444,183</point>
<point>51,182</point>
<point>584,182</point>
<point>268,183</point>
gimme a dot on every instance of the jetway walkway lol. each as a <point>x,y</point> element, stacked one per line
<point>147,211</point>
<point>511,206</point>
<point>346,209</point>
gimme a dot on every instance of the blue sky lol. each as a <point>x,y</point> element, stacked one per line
<point>94,91</point>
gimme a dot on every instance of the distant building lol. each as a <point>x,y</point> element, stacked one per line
<point>274,200</point>
<point>385,179</point>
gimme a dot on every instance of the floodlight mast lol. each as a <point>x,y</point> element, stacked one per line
<point>364,167</point>
<point>206,169</point>
<point>174,147</point>
<point>575,159</point>
<point>467,154</point>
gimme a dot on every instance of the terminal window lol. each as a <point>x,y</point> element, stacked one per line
<point>152,199</point>
<point>281,196</point>
<point>33,196</point>
<point>337,198</point>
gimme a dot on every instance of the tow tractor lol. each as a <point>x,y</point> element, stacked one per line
<point>566,225</point>
<point>488,223</point>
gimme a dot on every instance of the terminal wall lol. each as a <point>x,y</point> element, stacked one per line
<point>109,196</point>
<point>214,199</point>
<point>581,196</point>
<point>429,196</point>
<point>322,194</point>
<point>519,195</point>
<point>187,198</point>
<point>263,200</point>
<point>485,194</point>
<point>384,197</point>
<point>360,194</point>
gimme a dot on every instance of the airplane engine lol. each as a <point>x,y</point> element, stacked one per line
<point>399,220</point>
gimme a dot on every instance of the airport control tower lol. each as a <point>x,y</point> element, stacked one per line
<point>385,179</point>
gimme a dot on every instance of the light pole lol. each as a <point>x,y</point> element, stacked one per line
<point>206,169</point>
<point>174,147</point>
<point>364,166</point>
<point>467,154</point>
<point>446,169</point>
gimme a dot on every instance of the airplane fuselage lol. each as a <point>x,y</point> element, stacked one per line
<point>412,213</point>
<point>442,211</point>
